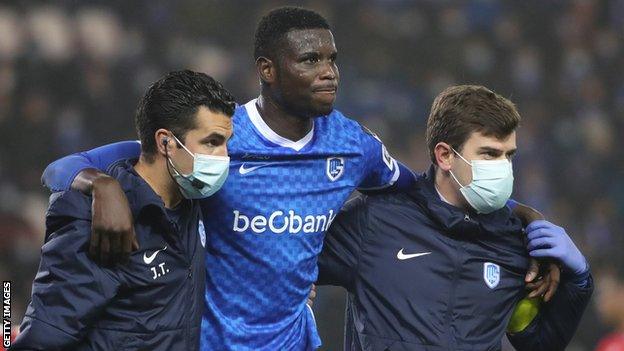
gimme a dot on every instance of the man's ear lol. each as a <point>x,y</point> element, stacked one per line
<point>266,69</point>
<point>164,142</point>
<point>444,155</point>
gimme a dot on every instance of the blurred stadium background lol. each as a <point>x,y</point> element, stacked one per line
<point>71,74</point>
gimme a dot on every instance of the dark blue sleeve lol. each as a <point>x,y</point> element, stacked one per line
<point>407,179</point>
<point>511,203</point>
<point>557,321</point>
<point>60,174</point>
<point>69,290</point>
<point>341,248</point>
<point>379,168</point>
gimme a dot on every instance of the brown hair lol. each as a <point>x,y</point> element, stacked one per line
<point>460,110</point>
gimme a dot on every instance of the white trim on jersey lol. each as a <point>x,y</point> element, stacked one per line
<point>268,133</point>
<point>312,313</point>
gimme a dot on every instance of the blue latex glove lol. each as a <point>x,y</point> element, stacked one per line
<point>547,240</point>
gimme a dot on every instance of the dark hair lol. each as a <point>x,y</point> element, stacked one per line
<point>275,24</point>
<point>172,102</point>
<point>460,110</point>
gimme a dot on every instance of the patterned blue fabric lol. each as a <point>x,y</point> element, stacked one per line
<point>265,228</point>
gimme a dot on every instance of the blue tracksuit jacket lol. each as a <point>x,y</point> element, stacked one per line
<point>154,302</point>
<point>424,275</point>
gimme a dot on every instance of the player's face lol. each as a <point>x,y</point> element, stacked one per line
<point>307,75</point>
<point>209,137</point>
<point>481,147</point>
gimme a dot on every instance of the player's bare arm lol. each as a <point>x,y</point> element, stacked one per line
<point>112,230</point>
<point>311,296</point>
<point>543,276</point>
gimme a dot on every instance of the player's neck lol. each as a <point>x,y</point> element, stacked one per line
<point>446,188</point>
<point>157,176</point>
<point>285,124</point>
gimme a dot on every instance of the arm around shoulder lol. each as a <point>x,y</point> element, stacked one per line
<point>342,246</point>
<point>60,174</point>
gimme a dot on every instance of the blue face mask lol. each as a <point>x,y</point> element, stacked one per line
<point>208,175</point>
<point>491,186</point>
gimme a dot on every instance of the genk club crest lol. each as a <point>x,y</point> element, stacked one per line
<point>491,274</point>
<point>335,168</point>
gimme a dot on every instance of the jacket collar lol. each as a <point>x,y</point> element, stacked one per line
<point>141,196</point>
<point>456,221</point>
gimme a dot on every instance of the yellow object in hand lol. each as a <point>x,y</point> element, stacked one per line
<point>523,314</point>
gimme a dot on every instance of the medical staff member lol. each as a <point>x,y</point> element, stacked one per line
<point>155,302</point>
<point>441,267</point>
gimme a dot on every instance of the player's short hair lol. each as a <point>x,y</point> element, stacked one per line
<point>275,24</point>
<point>460,110</point>
<point>172,103</point>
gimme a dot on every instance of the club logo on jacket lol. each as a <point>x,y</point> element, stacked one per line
<point>491,274</point>
<point>335,168</point>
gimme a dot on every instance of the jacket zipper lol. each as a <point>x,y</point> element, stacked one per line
<point>194,242</point>
<point>451,306</point>
<point>189,280</point>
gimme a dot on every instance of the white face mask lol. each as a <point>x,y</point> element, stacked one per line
<point>208,175</point>
<point>491,186</point>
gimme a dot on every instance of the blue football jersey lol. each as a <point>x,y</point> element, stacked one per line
<point>265,227</point>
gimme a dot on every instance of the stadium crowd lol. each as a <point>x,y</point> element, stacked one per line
<point>71,74</point>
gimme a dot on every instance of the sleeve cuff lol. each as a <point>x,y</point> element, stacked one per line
<point>580,280</point>
<point>511,204</point>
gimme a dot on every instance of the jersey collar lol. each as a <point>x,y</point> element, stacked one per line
<point>270,135</point>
